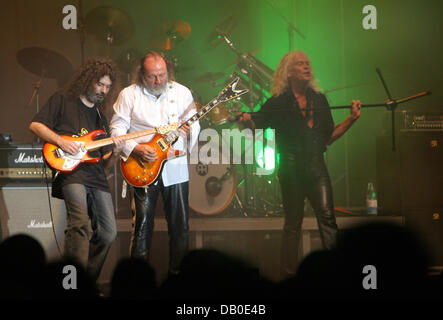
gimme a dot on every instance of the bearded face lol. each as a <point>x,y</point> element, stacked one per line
<point>155,76</point>
<point>98,91</point>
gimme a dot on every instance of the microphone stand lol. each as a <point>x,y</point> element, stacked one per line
<point>36,95</point>
<point>390,104</point>
<point>291,27</point>
<point>81,31</point>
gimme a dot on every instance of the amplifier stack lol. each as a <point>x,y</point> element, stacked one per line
<point>25,206</point>
<point>410,179</point>
<point>22,163</point>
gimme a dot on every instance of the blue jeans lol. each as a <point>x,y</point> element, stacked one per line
<point>84,203</point>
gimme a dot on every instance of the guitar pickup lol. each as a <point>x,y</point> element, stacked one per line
<point>161,143</point>
<point>59,153</point>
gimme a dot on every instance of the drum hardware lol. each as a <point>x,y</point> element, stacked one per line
<point>225,26</point>
<point>46,64</point>
<point>291,27</point>
<point>214,185</point>
<point>126,62</point>
<point>258,74</point>
<point>109,25</point>
<point>169,34</point>
<point>211,187</point>
<point>211,78</point>
<point>260,194</point>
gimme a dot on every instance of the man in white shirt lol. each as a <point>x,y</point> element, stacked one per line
<point>154,100</point>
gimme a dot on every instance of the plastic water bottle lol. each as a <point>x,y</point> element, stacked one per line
<point>371,199</point>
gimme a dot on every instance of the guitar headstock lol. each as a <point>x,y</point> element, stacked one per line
<point>230,92</point>
<point>167,128</point>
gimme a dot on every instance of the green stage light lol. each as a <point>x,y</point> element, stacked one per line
<point>266,157</point>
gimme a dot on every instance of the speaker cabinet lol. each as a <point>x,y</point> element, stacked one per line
<point>427,223</point>
<point>422,170</point>
<point>25,209</point>
<point>412,176</point>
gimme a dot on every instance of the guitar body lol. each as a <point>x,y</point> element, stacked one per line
<point>64,162</point>
<point>142,174</point>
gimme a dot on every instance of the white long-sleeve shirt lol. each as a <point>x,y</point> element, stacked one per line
<point>136,109</point>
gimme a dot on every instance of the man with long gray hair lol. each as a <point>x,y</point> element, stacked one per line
<point>302,135</point>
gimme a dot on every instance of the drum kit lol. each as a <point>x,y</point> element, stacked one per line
<point>214,188</point>
<point>220,189</point>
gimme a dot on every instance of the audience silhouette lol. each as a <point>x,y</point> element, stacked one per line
<point>372,261</point>
<point>208,274</point>
<point>21,260</point>
<point>133,278</point>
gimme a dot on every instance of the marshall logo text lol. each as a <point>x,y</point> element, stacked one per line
<point>23,158</point>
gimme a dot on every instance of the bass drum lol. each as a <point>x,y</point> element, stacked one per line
<point>211,187</point>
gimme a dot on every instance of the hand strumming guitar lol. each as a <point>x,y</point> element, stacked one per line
<point>145,152</point>
<point>68,146</point>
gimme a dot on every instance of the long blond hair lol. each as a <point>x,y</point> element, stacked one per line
<point>280,82</point>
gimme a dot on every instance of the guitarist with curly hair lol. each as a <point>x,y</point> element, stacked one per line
<point>77,112</point>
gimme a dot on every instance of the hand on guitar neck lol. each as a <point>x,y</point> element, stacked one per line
<point>73,147</point>
<point>119,144</point>
<point>185,129</point>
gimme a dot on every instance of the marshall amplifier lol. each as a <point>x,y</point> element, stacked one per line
<point>22,162</point>
<point>24,209</point>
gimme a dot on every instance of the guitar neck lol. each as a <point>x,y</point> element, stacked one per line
<point>94,145</point>
<point>203,111</point>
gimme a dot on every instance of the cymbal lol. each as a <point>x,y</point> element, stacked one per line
<point>44,63</point>
<point>210,76</point>
<point>109,25</point>
<point>169,34</point>
<point>225,26</point>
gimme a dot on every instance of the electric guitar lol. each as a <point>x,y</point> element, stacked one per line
<point>65,162</point>
<point>140,173</point>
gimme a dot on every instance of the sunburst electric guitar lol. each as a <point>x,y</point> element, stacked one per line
<point>142,174</point>
<point>65,162</point>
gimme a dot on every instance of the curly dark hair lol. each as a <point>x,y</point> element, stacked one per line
<point>89,73</point>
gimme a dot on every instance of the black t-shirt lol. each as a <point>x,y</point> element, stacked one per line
<point>293,135</point>
<point>69,116</point>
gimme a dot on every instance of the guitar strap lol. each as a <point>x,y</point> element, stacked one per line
<point>101,122</point>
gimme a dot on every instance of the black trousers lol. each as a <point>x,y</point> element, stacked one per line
<point>175,201</point>
<point>305,177</point>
